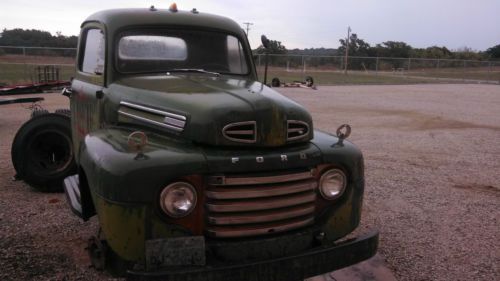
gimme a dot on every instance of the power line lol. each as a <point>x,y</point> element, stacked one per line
<point>248,26</point>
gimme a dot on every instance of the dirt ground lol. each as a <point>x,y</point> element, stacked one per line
<point>432,156</point>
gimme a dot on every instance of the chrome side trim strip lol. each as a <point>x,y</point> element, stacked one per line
<point>146,120</point>
<point>152,110</point>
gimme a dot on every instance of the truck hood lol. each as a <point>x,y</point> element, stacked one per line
<point>217,110</point>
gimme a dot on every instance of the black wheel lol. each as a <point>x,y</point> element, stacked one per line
<point>309,81</point>
<point>275,82</point>
<point>63,111</point>
<point>42,152</point>
<point>38,112</point>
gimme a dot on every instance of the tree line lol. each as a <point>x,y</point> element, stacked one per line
<point>36,38</point>
<point>389,49</point>
<point>357,47</point>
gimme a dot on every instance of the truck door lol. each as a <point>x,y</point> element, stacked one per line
<point>88,84</point>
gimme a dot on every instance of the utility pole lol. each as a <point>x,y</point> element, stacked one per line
<point>347,48</point>
<point>248,26</point>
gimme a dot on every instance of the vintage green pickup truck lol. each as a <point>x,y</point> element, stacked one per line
<point>196,170</point>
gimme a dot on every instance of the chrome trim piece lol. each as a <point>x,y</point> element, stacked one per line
<point>269,216</point>
<point>296,130</point>
<point>174,122</point>
<point>261,204</point>
<point>252,133</point>
<point>245,231</point>
<point>151,121</point>
<point>152,110</point>
<point>260,191</point>
<point>170,120</point>
<point>223,180</point>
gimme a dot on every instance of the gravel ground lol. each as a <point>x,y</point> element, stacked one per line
<point>432,155</point>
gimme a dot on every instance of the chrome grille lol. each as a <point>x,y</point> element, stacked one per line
<point>241,132</point>
<point>297,129</point>
<point>242,206</point>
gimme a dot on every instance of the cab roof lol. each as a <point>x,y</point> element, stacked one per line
<point>116,19</point>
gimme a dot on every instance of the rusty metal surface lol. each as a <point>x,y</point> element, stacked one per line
<point>373,269</point>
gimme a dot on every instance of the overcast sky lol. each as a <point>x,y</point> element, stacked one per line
<point>300,23</point>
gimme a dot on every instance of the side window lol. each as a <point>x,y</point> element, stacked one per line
<point>236,56</point>
<point>93,57</point>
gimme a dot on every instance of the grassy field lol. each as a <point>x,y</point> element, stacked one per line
<point>21,73</point>
<point>339,78</point>
<point>18,73</point>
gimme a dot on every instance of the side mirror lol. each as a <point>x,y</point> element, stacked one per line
<point>265,41</point>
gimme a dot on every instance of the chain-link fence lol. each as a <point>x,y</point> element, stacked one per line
<point>377,70</point>
<point>21,65</point>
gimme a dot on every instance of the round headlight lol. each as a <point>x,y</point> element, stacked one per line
<point>332,184</point>
<point>178,199</point>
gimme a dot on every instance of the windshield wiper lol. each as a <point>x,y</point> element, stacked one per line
<point>198,70</point>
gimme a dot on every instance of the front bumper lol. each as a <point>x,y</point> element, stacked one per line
<point>296,267</point>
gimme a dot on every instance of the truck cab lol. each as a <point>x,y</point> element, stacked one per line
<point>195,169</point>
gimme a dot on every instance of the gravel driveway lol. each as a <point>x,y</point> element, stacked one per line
<point>432,155</point>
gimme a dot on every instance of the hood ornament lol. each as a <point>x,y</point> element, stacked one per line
<point>136,142</point>
<point>343,132</point>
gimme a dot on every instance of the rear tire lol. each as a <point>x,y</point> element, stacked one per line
<point>42,152</point>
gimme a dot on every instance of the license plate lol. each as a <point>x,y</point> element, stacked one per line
<point>175,252</point>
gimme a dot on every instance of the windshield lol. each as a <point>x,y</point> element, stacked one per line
<point>169,50</point>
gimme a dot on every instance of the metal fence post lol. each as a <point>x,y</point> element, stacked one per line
<point>303,66</point>
<point>437,64</point>
<point>490,71</point>
<point>465,62</point>
<point>409,64</point>
<point>25,64</point>
<point>376,66</point>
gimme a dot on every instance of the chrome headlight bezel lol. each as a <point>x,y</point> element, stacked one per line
<point>175,191</point>
<point>332,184</point>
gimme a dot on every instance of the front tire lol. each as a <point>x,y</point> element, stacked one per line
<point>42,152</point>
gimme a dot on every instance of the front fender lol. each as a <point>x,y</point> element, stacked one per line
<point>117,173</point>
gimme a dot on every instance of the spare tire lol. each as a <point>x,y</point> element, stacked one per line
<point>275,82</point>
<point>38,112</point>
<point>42,152</point>
<point>63,111</point>
<point>309,81</point>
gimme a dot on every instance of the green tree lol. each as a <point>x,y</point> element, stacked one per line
<point>275,48</point>
<point>357,46</point>
<point>393,49</point>
<point>494,52</point>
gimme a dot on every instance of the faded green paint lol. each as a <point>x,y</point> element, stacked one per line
<point>343,217</point>
<point>118,20</point>
<point>125,184</point>
<point>123,227</point>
